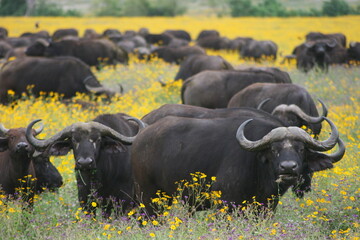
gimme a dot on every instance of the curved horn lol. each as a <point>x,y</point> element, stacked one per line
<point>337,156</point>
<point>332,43</point>
<point>39,129</point>
<point>3,129</point>
<point>309,44</point>
<point>315,144</point>
<point>42,144</point>
<point>300,113</point>
<point>138,121</point>
<point>281,133</point>
<point>250,145</point>
<point>107,131</point>
<point>262,103</point>
<point>352,44</point>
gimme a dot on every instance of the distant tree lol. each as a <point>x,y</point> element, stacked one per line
<point>240,8</point>
<point>135,8</point>
<point>12,7</point>
<point>335,8</point>
<point>271,8</point>
<point>107,7</point>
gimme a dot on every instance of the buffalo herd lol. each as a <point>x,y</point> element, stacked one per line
<point>244,126</point>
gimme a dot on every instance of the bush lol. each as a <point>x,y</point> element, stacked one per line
<point>335,8</point>
<point>43,8</point>
<point>12,7</point>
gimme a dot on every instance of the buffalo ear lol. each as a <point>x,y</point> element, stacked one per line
<point>59,148</point>
<point>318,161</point>
<point>4,144</point>
<point>112,146</point>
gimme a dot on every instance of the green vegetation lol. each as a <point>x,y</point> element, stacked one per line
<point>170,8</point>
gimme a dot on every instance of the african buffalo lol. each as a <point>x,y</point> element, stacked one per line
<point>47,175</point>
<point>261,166</point>
<point>17,173</point>
<point>214,42</point>
<point>207,33</point>
<point>319,53</point>
<point>176,55</point>
<point>101,151</point>
<point>63,75</point>
<point>258,50</point>
<point>37,48</point>
<point>3,33</point>
<point>4,48</point>
<point>238,43</point>
<point>194,64</point>
<point>181,34</point>
<point>214,89</point>
<point>181,110</point>
<point>286,93</point>
<point>160,39</point>
<point>92,52</point>
<point>189,111</point>
<point>61,33</point>
<point>314,36</point>
<point>353,52</point>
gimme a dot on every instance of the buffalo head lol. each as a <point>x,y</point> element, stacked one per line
<point>15,142</point>
<point>85,139</point>
<point>291,151</point>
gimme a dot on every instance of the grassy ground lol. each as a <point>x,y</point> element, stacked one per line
<point>330,211</point>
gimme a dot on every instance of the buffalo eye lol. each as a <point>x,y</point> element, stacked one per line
<point>274,152</point>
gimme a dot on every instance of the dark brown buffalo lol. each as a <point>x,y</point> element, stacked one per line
<point>314,36</point>
<point>188,111</point>
<point>101,150</point>
<point>37,48</point>
<point>181,34</point>
<point>176,55</point>
<point>238,43</point>
<point>198,63</point>
<point>288,94</point>
<point>61,33</point>
<point>4,48</point>
<point>319,54</point>
<point>259,50</point>
<point>63,75</point>
<point>214,89</point>
<point>256,159</point>
<point>91,34</point>
<point>160,39</point>
<point>214,42</point>
<point>207,33</point>
<point>37,35</point>
<point>92,52</point>
<point>17,173</point>
<point>353,52</point>
<point>3,33</point>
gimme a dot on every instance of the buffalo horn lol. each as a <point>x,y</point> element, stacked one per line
<point>3,129</point>
<point>300,113</point>
<point>337,156</point>
<point>42,144</point>
<point>332,43</point>
<point>309,44</point>
<point>138,121</point>
<point>352,44</point>
<point>280,133</point>
<point>262,103</point>
<point>107,131</point>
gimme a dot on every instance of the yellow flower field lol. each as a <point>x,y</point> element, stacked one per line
<point>331,210</point>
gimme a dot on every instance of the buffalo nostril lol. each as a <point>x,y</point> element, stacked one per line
<point>21,145</point>
<point>85,161</point>
<point>288,165</point>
